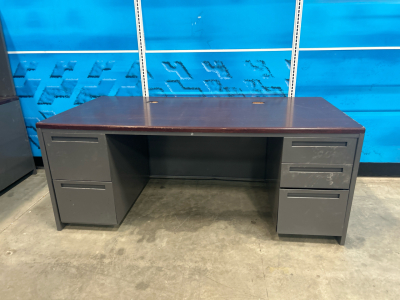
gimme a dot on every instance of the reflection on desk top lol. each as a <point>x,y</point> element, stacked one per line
<point>208,115</point>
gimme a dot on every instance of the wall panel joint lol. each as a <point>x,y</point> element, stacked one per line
<point>141,47</point>
<point>295,47</point>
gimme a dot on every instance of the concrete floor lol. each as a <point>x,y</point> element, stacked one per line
<point>197,240</point>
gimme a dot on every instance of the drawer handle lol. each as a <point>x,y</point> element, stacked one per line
<point>83,186</point>
<point>312,195</point>
<point>79,139</point>
<point>318,144</point>
<point>315,169</point>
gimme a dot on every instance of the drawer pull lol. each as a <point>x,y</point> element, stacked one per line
<point>83,186</point>
<point>318,144</point>
<point>312,195</point>
<point>315,169</point>
<point>79,139</point>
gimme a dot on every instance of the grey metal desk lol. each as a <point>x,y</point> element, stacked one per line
<point>100,155</point>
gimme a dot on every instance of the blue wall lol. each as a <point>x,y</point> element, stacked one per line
<point>363,83</point>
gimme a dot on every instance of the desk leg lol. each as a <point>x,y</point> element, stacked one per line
<point>273,174</point>
<point>129,167</point>
<point>342,239</point>
<point>59,224</point>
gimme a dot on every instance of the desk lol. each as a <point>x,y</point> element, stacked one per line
<point>99,156</point>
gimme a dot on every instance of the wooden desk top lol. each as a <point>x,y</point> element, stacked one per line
<point>208,115</point>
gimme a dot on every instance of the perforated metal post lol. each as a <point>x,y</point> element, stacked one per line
<point>295,47</point>
<point>141,47</point>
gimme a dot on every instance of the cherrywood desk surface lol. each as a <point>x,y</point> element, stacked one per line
<point>209,115</point>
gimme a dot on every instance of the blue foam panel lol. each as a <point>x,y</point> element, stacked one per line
<point>48,84</point>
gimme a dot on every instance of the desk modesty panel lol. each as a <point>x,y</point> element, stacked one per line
<point>99,156</point>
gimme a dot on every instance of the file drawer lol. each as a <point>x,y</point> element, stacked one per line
<point>312,212</point>
<point>85,202</point>
<point>77,156</point>
<point>317,176</point>
<point>319,150</point>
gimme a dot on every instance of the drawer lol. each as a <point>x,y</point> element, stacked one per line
<point>85,202</point>
<point>75,156</point>
<point>316,176</point>
<point>312,212</point>
<point>319,150</point>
